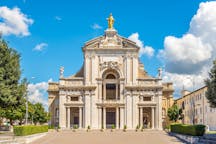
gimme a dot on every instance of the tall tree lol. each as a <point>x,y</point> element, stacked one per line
<point>39,115</point>
<point>211,86</point>
<point>174,113</point>
<point>11,91</point>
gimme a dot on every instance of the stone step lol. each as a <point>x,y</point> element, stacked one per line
<point>207,141</point>
<point>210,138</point>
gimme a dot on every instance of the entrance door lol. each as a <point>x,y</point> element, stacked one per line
<point>110,118</point>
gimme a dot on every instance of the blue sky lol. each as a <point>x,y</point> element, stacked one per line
<point>60,28</point>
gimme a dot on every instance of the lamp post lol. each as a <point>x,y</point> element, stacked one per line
<point>26,115</point>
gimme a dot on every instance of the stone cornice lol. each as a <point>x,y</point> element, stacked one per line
<point>147,104</point>
<point>77,87</point>
<point>72,78</point>
<point>144,87</point>
<point>74,104</point>
<point>148,79</point>
<point>52,90</point>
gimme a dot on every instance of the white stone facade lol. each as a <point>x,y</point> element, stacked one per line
<point>112,88</point>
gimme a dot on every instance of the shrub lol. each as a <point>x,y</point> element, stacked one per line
<point>194,130</point>
<point>30,129</point>
<point>113,126</point>
<point>125,127</point>
<point>137,127</point>
<point>51,127</point>
<point>75,126</point>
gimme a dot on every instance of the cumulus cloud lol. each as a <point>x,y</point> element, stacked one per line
<point>96,26</point>
<point>14,22</point>
<point>144,50</point>
<point>40,47</point>
<point>196,48</point>
<point>189,58</point>
<point>37,93</point>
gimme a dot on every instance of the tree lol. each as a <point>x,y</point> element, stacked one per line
<point>11,91</point>
<point>40,115</point>
<point>211,86</point>
<point>174,113</point>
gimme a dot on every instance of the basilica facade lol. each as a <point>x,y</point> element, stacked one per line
<point>111,88</point>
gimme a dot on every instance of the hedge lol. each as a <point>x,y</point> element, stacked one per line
<point>29,129</point>
<point>194,130</point>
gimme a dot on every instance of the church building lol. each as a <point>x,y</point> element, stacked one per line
<point>112,88</point>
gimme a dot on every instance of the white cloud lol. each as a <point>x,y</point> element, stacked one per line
<point>144,50</point>
<point>38,93</point>
<point>58,18</point>
<point>190,56</point>
<point>196,48</point>
<point>96,26</point>
<point>40,47</point>
<point>14,22</point>
<point>188,81</point>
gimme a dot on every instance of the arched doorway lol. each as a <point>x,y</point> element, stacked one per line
<point>110,86</point>
<point>110,94</point>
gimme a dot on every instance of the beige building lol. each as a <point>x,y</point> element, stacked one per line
<point>111,88</point>
<point>196,108</point>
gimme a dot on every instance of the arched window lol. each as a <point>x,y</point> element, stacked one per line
<point>110,76</point>
<point>111,85</point>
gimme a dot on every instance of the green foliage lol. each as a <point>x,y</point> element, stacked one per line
<point>11,91</point>
<point>194,130</point>
<point>174,113</point>
<point>211,85</point>
<point>39,115</point>
<point>88,127</point>
<point>125,127</point>
<point>113,126</point>
<point>30,129</point>
<point>75,126</point>
<point>51,127</point>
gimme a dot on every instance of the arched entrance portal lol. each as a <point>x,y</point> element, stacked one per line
<point>110,94</point>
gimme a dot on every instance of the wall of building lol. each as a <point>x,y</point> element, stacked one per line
<point>196,109</point>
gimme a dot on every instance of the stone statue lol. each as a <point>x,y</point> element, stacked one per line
<point>110,21</point>
<point>160,73</point>
<point>61,71</point>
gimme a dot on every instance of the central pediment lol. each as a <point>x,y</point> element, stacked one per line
<point>110,40</point>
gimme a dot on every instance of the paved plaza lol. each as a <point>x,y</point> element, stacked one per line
<point>107,137</point>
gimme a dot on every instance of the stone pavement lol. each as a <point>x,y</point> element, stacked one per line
<point>108,137</point>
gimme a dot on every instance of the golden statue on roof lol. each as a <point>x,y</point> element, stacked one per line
<point>110,21</point>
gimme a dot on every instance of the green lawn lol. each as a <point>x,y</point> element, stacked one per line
<point>211,132</point>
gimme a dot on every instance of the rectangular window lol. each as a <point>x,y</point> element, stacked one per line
<point>110,91</point>
<point>75,98</point>
<point>146,98</point>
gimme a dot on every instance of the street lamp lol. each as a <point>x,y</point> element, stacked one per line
<point>26,115</point>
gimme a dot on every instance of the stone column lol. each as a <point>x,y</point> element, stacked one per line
<point>99,91</point>
<point>104,91</point>
<point>87,110</point>
<point>141,116</point>
<point>80,117</point>
<point>116,91</point>
<point>152,117</point>
<point>121,91</point>
<point>99,117</point>
<point>121,117</point>
<point>160,111</point>
<point>117,117</point>
<point>104,118</point>
<point>62,110</point>
<point>68,117</point>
